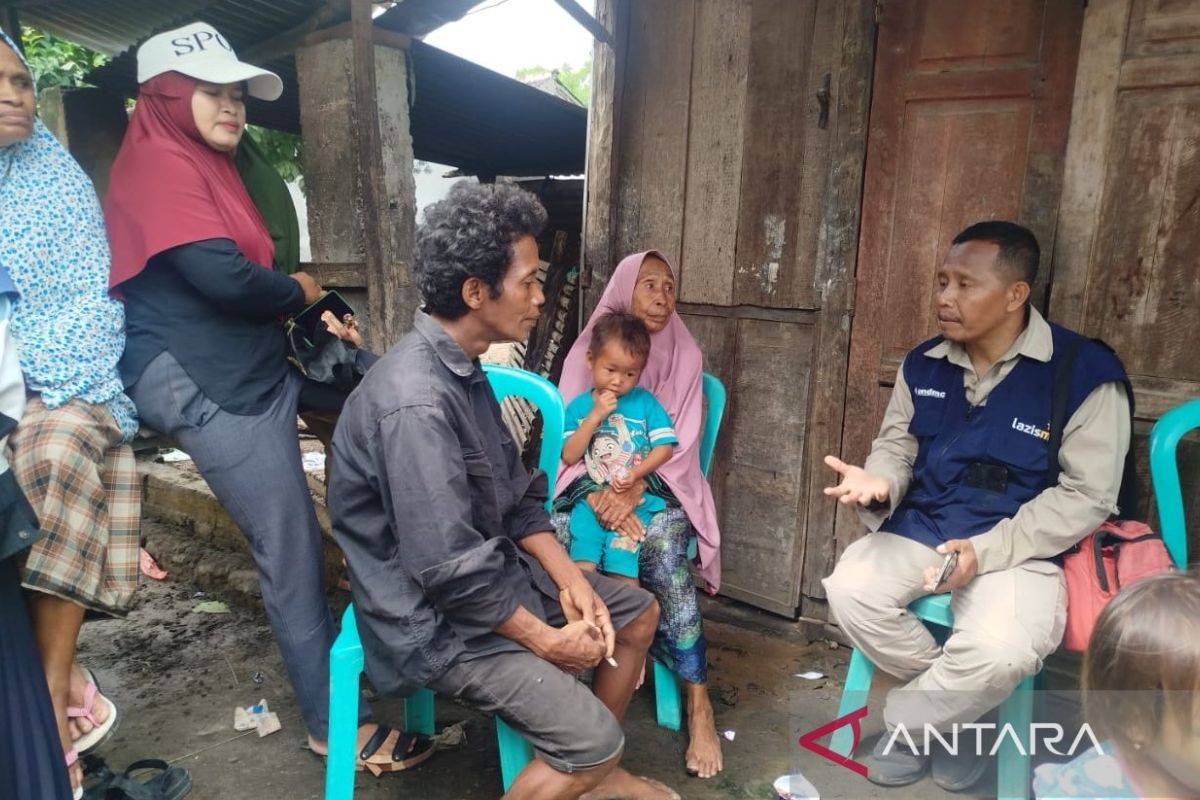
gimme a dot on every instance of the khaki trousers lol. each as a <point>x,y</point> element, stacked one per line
<point>1005,624</point>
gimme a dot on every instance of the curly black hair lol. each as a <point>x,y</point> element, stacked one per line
<point>470,234</point>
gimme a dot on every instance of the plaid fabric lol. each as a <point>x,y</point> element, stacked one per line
<point>82,482</point>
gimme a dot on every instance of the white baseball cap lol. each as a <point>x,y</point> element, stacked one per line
<point>198,51</point>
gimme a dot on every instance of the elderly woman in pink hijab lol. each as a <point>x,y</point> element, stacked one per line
<point>644,285</point>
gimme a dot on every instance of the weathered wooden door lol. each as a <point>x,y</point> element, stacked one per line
<point>969,117</point>
<point>725,118</point>
<point>1127,259</point>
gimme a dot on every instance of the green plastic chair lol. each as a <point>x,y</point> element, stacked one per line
<point>346,655</point>
<point>1164,474</point>
<point>667,693</point>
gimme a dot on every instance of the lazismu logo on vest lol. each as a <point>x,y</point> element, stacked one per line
<point>1032,430</point>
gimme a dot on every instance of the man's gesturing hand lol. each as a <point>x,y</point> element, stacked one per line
<point>857,486</point>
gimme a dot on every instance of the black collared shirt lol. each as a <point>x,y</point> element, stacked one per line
<point>218,314</point>
<point>428,498</point>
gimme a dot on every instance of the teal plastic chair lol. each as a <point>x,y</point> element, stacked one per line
<point>1164,474</point>
<point>667,692</point>
<point>346,655</point>
<point>1013,778</point>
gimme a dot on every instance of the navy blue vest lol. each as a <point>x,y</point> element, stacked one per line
<point>977,465</point>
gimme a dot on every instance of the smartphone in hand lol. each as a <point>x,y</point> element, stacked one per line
<point>948,565</point>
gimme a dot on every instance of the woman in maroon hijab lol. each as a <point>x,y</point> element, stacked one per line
<point>206,356</point>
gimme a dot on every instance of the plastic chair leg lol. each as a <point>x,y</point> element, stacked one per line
<point>515,752</point>
<point>1013,768</point>
<point>854,696</point>
<point>344,669</point>
<point>418,713</point>
<point>667,697</point>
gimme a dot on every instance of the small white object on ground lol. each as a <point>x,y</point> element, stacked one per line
<point>171,456</point>
<point>256,717</point>
<point>314,462</point>
<point>795,787</point>
<point>729,735</point>
<point>452,735</point>
<point>268,723</point>
<point>810,676</point>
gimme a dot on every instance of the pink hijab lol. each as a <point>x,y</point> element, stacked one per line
<point>673,375</point>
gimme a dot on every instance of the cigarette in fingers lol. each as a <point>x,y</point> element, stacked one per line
<point>612,662</point>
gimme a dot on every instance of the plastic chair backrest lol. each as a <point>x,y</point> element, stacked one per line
<point>714,397</point>
<point>510,381</point>
<point>1164,474</point>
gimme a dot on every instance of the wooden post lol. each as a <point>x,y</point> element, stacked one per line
<point>358,168</point>
<point>835,277</point>
<point>600,194</point>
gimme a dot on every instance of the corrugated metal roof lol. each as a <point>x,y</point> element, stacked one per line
<point>462,114</point>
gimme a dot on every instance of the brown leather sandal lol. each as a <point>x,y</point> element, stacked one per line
<point>411,749</point>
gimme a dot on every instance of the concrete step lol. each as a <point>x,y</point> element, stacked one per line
<point>191,535</point>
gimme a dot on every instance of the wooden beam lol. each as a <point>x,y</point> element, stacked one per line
<point>585,19</point>
<point>603,157</point>
<point>829,530</point>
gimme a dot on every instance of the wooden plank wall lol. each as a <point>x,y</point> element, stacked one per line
<point>1129,228</point>
<point>720,157</point>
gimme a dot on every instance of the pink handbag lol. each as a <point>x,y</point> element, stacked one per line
<point>1114,555</point>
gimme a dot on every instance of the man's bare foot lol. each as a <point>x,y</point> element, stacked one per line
<point>621,785</point>
<point>704,759</point>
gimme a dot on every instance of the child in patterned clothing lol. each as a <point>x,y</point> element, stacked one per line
<point>623,434</point>
<point>1141,697</point>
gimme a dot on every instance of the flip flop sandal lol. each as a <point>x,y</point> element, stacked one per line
<point>101,731</point>
<point>165,782</point>
<point>71,756</point>
<point>411,749</point>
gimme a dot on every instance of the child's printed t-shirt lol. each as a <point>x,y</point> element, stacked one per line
<point>637,425</point>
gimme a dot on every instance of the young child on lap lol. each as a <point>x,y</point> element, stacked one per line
<point>623,434</point>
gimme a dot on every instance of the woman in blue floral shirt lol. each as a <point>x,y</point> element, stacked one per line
<point>70,453</point>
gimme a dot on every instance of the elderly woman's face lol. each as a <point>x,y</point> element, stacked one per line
<point>220,114</point>
<point>16,98</point>
<point>654,294</point>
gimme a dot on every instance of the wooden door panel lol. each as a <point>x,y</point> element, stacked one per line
<point>785,158</point>
<point>1126,259</point>
<point>960,162</point>
<point>654,119</point>
<point>763,474</point>
<point>1157,27</point>
<point>1144,292</point>
<point>968,122</point>
<point>980,33</point>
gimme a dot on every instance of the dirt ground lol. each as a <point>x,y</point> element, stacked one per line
<point>177,676</point>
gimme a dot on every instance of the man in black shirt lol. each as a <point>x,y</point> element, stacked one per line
<point>459,582</point>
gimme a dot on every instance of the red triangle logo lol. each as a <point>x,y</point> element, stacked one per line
<point>809,740</point>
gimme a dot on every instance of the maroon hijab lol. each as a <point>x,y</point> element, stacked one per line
<point>168,187</point>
